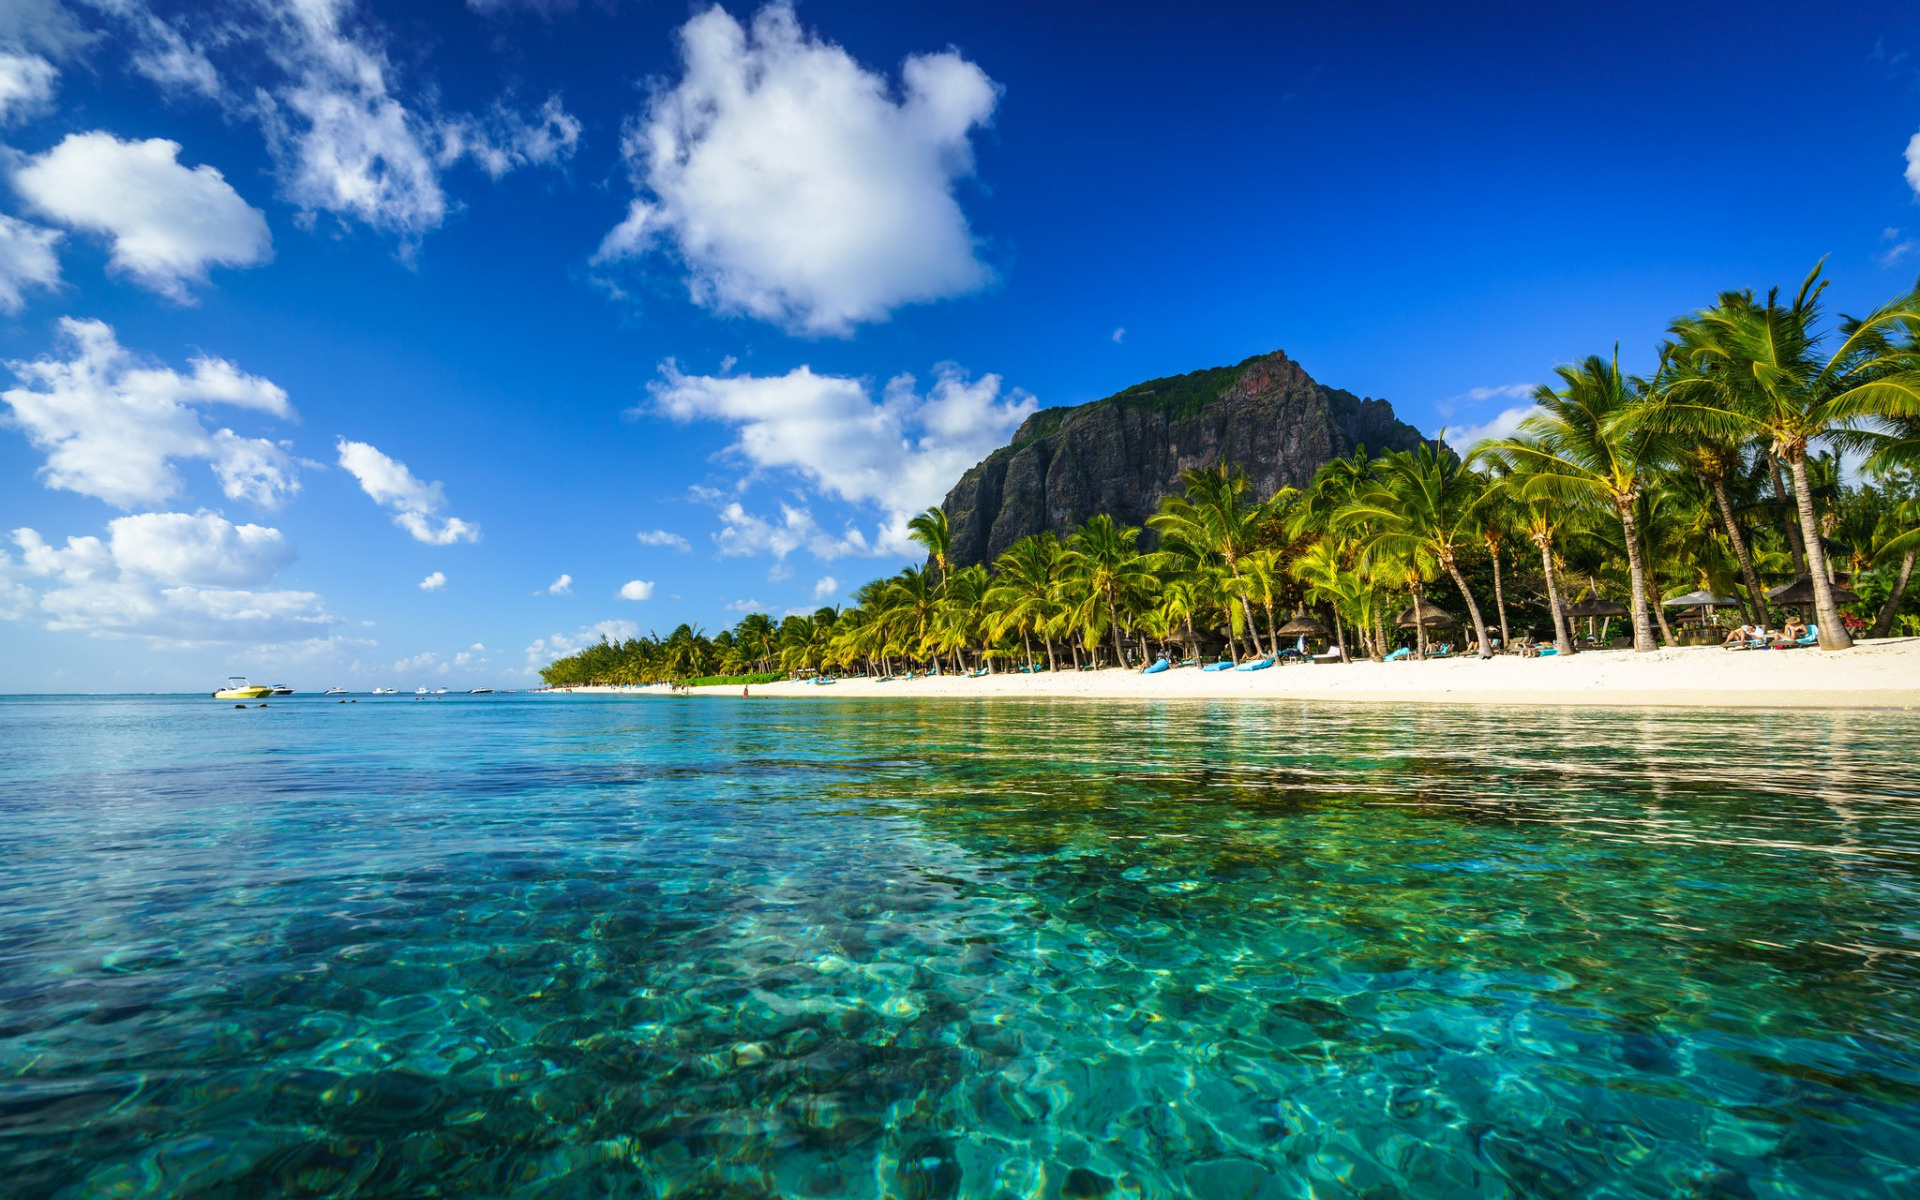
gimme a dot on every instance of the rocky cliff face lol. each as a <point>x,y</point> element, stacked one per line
<point>1122,454</point>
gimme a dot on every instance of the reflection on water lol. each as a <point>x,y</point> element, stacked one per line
<point>651,948</point>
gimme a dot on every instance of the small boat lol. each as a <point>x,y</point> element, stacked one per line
<point>438,691</point>
<point>479,691</point>
<point>335,691</point>
<point>381,692</point>
<point>239,689</point>
<point>1158,666</point>
<point>420,691</point>
<point>281,689</point>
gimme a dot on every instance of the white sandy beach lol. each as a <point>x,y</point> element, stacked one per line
<point>1884,674</point>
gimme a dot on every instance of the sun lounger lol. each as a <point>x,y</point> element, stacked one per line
<point>1400,655</point>
<point>1258,664</point>
<point>1156,667</point>
<point>1222,665</point>
<point>1331,656</point>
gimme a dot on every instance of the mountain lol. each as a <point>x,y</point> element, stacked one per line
<point>1120,455</point>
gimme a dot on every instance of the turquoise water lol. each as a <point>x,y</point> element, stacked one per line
<point>580,947</point>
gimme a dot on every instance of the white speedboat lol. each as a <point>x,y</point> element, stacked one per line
<point>439,691</point>
<point>479,691</point>
<point>335,691</point>
<point>420,691</point>
<point>281,689</point>
<point>382,692</point>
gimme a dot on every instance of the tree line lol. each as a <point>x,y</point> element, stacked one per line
<point>1719,471</point>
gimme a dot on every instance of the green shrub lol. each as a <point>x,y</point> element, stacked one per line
<point>737,680</point>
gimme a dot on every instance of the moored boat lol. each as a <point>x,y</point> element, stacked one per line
<point>481,691</point>
<point>382,692</point>
<point>335,691</point>
<point>281,689</point>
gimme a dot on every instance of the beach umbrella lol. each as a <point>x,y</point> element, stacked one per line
<point>1302,624</point>
<point>1700,599</point>
<point>1596,608</point>
<point>1430,616</point>
<point>1800,591</point>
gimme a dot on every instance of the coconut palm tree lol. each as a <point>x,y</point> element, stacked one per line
<point>1329,583</point>
<point>1758,371</point>
<point>1212,519</point>
<point>931,531</point>
<point>1423,511</point>
<point>1025,593</point>
<point>1585,447</point>
<point>1105,576</point>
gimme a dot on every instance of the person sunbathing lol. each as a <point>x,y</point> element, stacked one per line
<point>1741,636</point>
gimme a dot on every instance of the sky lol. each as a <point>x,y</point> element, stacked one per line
<point>365,343</point>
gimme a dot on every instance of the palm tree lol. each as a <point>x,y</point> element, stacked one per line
<point>1108,574</point>
<point>1024,594</point>
<point>930,530</point>
<point>1212,520</point>
<point>1757,371</point>
<point>1585,448</point>
<point>1422,512</point>
<point>1328,583</point>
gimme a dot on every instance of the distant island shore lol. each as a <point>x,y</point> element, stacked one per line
<point>1877,674</point>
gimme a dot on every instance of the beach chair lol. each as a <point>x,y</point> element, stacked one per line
<point>1331,656</point>
<point>1400,655</point>
<point>1225,664</point>
<point>1810,638</point>
<point>1443,650</point>
<point>1257,664</point>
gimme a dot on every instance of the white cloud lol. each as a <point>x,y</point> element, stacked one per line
<point>161,52</point>
<point>168,223</point>
<point>1505,425</point>
<point>26,83</point>
<point>900,453</point>
<point>562,586</point>
<point>506,139</point>
<point>42,25</point>
<point>174,578</point>
<point>1913,163</point>
<point>742,534</point>
<point>637,589</point>
<point>660,537</point>
<point>1894,247</point>
<point>478,646</point>
<point>825,586</point>
<point>348,144</point>
<point>745,606</point>
<point>433,582</point>
<point>415,503</point>
<point>26,260</point>
<point>111,427</point>
<point>1119,335</point>
<point>544,650</point>
<point>793,184</point>
<point>417,662</point>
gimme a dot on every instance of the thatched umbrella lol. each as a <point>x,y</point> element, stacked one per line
<point>1431,617</point>
<point>1800,591</point>
<point>1700,599</point>
<point>1593,607</point>
<point>1302,624</point>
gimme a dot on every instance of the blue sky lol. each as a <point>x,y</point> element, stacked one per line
<point>339,334</point>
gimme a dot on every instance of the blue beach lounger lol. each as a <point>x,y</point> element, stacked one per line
<point>1402,653</point>
<point>1156,668</point>
<point>1219,666</point>
<point>1258,664</point>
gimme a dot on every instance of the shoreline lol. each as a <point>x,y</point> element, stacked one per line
<point>1878,675</point>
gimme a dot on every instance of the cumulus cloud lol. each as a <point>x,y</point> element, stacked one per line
<point>111,427</point>
<point>824,587</point>
<point>27,261</point>
<point>745,606</point>
<point>660,537</point>
<point>416,504</point>
<point>162,53</point>
<point>899,453</point>
<point>793,184</point>
<point>176,579</point>
<point>562,586</point>
<point>433,582</point>
<point>742,534</point>
<point>1913,164</point>
<point>544,650</point>
<point>167,223</point>
<point>637,589</point>
<point>1119,335</point>
<point>26,83</point>
<point>1465,437</point>
<point>507,139</point>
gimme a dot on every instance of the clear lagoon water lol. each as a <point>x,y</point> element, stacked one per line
<point>519,946</point>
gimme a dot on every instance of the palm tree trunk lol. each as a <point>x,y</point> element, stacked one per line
<point>1794,540</point>
<point>1499,597</point>
<point>1637,568</point>
<point>1755,606</point>
<point>1053,663</point>
<point>1113,615</point>
<point>1833,635</point>
<point>1419,627</point>
<point>1883,624</point>
<point>1026,639</point>
<point>1562,632</point>
<point>1253,630</point>
<point>1654,590</point>
<point>1473,607</point>
<point>1379,632</point>
<point>1339,633</point>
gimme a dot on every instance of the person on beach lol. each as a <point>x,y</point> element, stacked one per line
<point>1795,630</point>
<point>1744,633</point>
